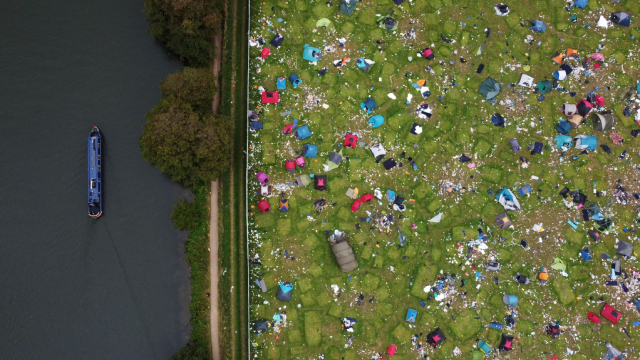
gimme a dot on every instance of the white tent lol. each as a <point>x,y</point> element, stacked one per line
<point>526,81</point>
<point>378,152</point>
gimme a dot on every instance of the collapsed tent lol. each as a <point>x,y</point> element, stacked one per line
<point>625,248</point>
<point>436,337</point>
<point>277,40</point>
<point>621,18</point>
<point>508,200</point>
<point>563,142</point>
<point>309,150</point>
<point>581,3</point>
<point>502,9</point>
<point>586,142</point>
<point>506,343</point>
<point>302,132</point>
<point>368,105</point>
<point>489,88</point>
<point>260,325</point>
<point>333,161</point>
<point>388,23</point>
<point>342,251</point>
<point>603,122</point>
<point>311,53</point>
<point>284,291</point>
<point>575,120</point>
<point>348,6</point>
<point>526,81</point>
<point>378,152</point>
<point>364,64</point>
<point>376,121</point>
<point>389,164</point>
<point>538,26</point>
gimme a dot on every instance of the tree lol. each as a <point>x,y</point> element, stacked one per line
<point>196,86</point>
<point>188,147</point>
<point>186,27</point>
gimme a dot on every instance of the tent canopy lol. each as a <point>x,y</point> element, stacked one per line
<point>264,206</point>
<point>411,315</point>
<point>482,345</point>
<point>260,325</point>
<point>284,291</point>
<point>310,150</point>
<point>489,88</point>
<point>376,121</point>
<point>621,18</point>
<point>303,132</point>
<point>311,53</point>
<point>277,40</point>
<point>347,6</point>
<point>568,109</point>
<point>538,26</point>
<point>369,105</point>
<point>558,264</point>
<point>602,122</point>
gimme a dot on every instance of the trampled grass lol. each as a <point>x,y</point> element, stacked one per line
<point>390,278</point>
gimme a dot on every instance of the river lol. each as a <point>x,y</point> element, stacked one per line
<point>72,287</point>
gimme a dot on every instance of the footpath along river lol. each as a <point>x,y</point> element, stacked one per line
<point>72,287</point>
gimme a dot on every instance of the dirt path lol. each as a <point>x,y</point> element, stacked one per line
<point>213,224</point>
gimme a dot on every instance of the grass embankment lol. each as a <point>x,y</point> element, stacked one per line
<point>232,199</point>
<point>292,245</point>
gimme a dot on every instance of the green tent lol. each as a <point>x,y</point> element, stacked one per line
<point>545,86</point>
<point>477,355</point>
<point>558,264</point>
<point>333,161</point>
<point>323,22</point>
<point>489,88</point>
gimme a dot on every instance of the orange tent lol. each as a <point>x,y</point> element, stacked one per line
<point>572,52</point>
<point>558,58</point>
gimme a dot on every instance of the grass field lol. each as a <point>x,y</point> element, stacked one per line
<point>292,245</point>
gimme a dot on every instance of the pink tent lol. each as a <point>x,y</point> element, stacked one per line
<point>392,350</point>
<point>597,57</point>
<point>263,178</point>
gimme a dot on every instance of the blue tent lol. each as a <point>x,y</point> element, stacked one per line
<point>391,195</point>
<point>525,190</point>
<point>284,205</point>
<point>295,80</point>
<point>303,132</point>
<point>256,125</point>
<point>281,83</point>
<point>586,142</point>
<point>309,150</point>
<point>510,300</point>
<point>311,54</point>
<point>563,141</point>
<point>581,3</point>
<point>411,315</point>
<point>586,255</point>
<point>376,121</point>
<point>563,127</point>
<point>538,26</point>
<point>369,105</point>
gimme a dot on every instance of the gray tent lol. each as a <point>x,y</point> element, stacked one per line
<point>613,354</point>
<point>503,221</point>
<point>348,6</point>
<point>603,122</point>
<point>625,248</point>
<point>378,152</point>
<point>489,88</point>
<point>342,251</point>
<point>260,325</point>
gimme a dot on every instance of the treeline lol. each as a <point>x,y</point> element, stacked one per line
<point>186,27</point>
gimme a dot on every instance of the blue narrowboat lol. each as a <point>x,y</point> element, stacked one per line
<point>95,173</point>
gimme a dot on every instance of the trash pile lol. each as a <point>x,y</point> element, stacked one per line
<point>498,141</point>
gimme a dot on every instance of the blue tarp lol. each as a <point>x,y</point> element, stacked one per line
<point>376,121</point>
<point>586,255</point>
<point>538,26</point>
<point>310,150</point>
<point>295,80</point>
<point>581,3</point>
<point>411,315</point>
<point>369,105</point>
<point>303,132</point>
<point>563,141</point>
<point>281,83</point>
<point>311,54</point>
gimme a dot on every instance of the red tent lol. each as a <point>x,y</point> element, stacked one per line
<point>610,314</point>
<point>366,198</point>
<point>264,206</point>
<point>392,350</point>
<point>265,52</point>
<point>270,97</point>
<point>427,53</point>
<point>356,205</point>
<point>593,317</point>
<point>350,140</point>
<point>291,165</point>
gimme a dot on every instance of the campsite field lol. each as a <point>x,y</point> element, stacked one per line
<point>292,245</point>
